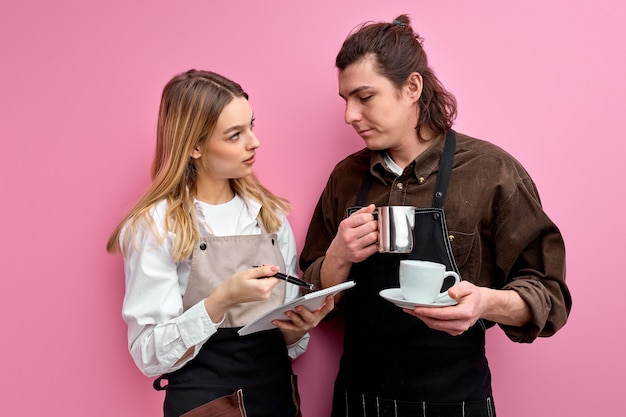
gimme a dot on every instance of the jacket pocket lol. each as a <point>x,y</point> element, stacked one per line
<point>466,251</point>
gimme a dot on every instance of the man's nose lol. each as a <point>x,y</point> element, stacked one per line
<point>352,114</point>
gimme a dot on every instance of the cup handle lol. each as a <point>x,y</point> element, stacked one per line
<point>443,296</point>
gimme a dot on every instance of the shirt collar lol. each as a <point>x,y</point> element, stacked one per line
<point>248,216</point>
<point>422,167</point>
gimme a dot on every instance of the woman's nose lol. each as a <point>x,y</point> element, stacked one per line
<point>254,141</point>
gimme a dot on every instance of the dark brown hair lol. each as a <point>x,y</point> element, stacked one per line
<point>398,52</point>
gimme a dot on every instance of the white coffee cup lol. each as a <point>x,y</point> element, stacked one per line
<point>421,281</point>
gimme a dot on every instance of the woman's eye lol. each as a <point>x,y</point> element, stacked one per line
<point>252,124</point>
<point>235,136</point>
<point>365,98</point>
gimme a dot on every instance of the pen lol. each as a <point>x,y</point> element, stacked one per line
<point>290,279</point>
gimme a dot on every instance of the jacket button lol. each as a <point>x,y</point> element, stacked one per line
<point>399,186</point>
<point>421,180</point>
<point>203,246</point>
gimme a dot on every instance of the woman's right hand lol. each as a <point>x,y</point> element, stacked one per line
<point>254,284</point>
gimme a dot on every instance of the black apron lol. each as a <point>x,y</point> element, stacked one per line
<point>232,375</point>
<point>392,363</point>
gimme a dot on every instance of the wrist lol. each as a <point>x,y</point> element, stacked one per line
<point>292,337</point>
<point>216,305</point>
<point>334,270</point>
<point>505,307</point>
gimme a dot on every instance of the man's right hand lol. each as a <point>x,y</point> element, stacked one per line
<point>356,240</point>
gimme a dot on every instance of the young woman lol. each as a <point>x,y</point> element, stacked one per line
<point>189,245</point>
<point>477,212</point>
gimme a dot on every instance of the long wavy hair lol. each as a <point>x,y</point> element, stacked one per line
<point>191,104</point>
<point>398,51</point>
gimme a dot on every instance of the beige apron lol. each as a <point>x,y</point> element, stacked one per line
<point>215,258</point>
<point>232,375</point>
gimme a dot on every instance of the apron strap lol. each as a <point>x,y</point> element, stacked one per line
<point>445,169</point>
<point>365,185</point>
<point>157,383</point>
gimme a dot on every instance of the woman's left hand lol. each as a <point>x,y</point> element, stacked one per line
<point>301,320</point>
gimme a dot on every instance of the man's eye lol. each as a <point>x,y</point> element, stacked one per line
<point>365,98</point>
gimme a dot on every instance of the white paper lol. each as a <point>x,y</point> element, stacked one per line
<point>311,301</point>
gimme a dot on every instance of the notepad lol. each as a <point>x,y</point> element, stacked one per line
<point>311,301</point>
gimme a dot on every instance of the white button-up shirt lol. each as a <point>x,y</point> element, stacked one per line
<point>159,332</point>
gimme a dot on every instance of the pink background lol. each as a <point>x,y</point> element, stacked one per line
<point>80,83</point>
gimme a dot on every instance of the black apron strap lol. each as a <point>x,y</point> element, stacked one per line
<point>445,169</point>
<point>157,383</point>
<point>365,185</point>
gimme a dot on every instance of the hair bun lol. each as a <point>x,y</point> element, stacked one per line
<point>403,21</point>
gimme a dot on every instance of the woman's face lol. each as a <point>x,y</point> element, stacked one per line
<point>230,151</point>
<point>382,115</point>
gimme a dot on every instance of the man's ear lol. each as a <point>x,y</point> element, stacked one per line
<point>414,85</point>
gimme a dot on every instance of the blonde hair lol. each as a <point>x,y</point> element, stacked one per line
<point>191,104</point>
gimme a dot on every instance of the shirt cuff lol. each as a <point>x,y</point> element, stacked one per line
<point>532,294</point>
<point>195,325</point>
<point>298,348</point>
<point>313,272</point>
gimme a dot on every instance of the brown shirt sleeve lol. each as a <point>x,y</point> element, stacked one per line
<point>531,251</point>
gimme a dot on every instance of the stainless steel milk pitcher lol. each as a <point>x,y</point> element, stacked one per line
<point>395,229</point>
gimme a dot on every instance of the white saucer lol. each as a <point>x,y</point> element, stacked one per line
<point>394,295</point>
